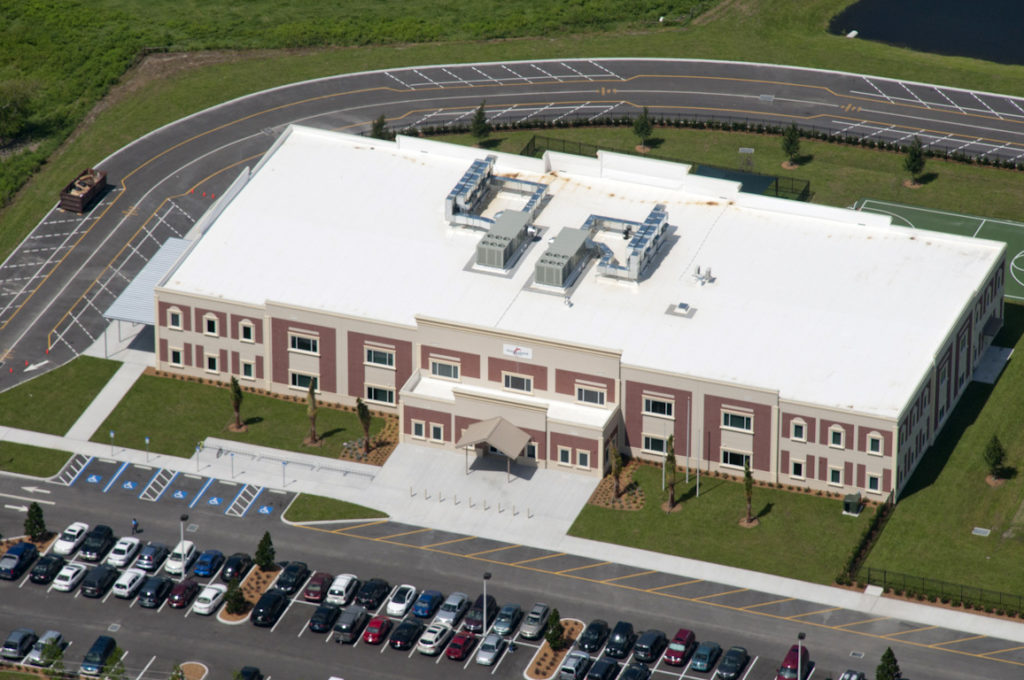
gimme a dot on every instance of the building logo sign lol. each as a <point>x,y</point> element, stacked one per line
<point>517,351</point>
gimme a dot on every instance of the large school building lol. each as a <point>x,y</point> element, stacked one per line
<point>546,308</point>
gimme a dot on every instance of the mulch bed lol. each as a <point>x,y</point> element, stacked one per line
<point>546,661</point>
<point>194,671</point>
<point>255,584</point>
<point>632,496</point>
<point>9,543</point>
<point>381,446</point>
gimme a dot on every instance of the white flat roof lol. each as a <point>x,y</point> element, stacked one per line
<point>826,305</point>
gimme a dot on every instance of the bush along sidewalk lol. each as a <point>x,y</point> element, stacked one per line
<point>867,541</point>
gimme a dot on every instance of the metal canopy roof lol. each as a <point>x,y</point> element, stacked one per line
<point>137,303</point>
<point>499,433</point>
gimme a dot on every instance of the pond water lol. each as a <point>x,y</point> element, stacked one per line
<point>992,30</point>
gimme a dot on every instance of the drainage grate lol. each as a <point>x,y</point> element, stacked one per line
<point>980,531</point>
<point>114,627</point>
<point>192,528</point>
<point>857,655</point>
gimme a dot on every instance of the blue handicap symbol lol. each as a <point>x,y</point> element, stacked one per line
<point>128,485</point>
<point>266,509</point>
<point>93,479</point>
<point>179,494</point>
<point>214,501</point>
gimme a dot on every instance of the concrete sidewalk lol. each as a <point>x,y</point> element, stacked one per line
<point>106,401</point>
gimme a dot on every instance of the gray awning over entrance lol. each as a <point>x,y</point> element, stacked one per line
<point>497,432</point>
<point>137,303</point>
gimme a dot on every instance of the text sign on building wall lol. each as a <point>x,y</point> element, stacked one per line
<point>517,351</point>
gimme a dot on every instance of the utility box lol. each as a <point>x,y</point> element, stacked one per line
<point>85,188</point>
<point>851,504</point>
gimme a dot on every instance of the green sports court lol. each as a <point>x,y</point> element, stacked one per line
<point>1009,232</point>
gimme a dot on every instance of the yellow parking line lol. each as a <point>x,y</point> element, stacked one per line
<point>622,578</point>
<point>816,611</point>
<point>765,604</point>
<point>537,559</point>
<point>454,540</point>
<point>857,623</point>
<point>360,526</point>
<point>673,585</point>
<point>585,566</point>
<point>484,552</point>
<point>952,642</point>
<point>1003,651</point>
<point>727,592</point>
<point>912,630</point>
<point>404,533</point>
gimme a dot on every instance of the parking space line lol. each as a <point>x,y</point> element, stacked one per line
<point>114,477</point>
<point>404,533</point>
<point>953,642</point>
<point>673,585</point>
<point>484,552</point>
<point>27,498</point>
<point>166,486</point>
<point>585,566</point>
<point>201,492</point>
<point>623,578</point>
<point>251,503</point>
<point>345,530</point>
<point>1003,651</point>
<point>819,611</point>
<point>448,542</point>
<point>912,630</point>
<point>765,604</point>
<point>139,677</point>
<point>727,592</point>
<point>537,559</point>
<point>857,623</point>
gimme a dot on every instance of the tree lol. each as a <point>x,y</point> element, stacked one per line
<point>914,161</point>
<point>363,411</point>
<point>311,411</point>
<point>35,525</point>
<point>791,142</point>
<point>53,659</point>
<point>236,401</point>
<point>177,673</point>
<point>995,456</point>
<point>888,669</point>
<point>670,469</point>
<point>642,128</point>
<point>15,106</point>
<point>234,598</point>
<point>380,128</point>
<point>115,669</point>
<point>748,487</point>
<point>556,632</point>
<point>616,459</point>
<point>265,552</point>
<point>480,128</point>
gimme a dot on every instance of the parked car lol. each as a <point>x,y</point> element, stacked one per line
<point>342,589</point>
<point>635,671</point>
<point>796,665</point>
<point>183,593</point>
<point>98,655</point>
<point>154,591</point>
<point>97,543</point>
<point>69,577</point>
<point>460,646</point>
<point>152,556</point>
<point>852,675</point>
<point>650,645</point>
<point>621,640</point>
<point>490,649</point>
<point>605,668</point>
<point>250,673</point>
<point>406,634</point>
<point>210,599</point>
<point>323,618</point>
<point>536,621</point>
<point>209,563</point>
<point>16,561</point>
<point>401,600</point>
<point>269,608</point>
<point>37,656</point>
<point>129,583</point>
<point>681,648</point>
<point>350,624</point>
<point>236,566</point>
<point>18,644</point>
<point>475,616</point>
<point>46,569</point>
<point>574,666</point>
<point>733,663</point>
<point>99,579</point>
<point>507,619</point>
<point>372,594</point>
<point>292,577</point>
<point>181,558</point>
<point>427,603</point>
<point>377,630</point>
<point>453,609</point>
<point>593,636</point>
<point>434,638</point>
<point>706,656</point>
<point>316,589</point>
<point>70,539</point>
<point>124,551</point>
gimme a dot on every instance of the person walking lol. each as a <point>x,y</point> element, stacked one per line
<point>135,526</point>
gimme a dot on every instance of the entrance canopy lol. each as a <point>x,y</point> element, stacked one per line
<point>137,303</point>
<point>497,432</point>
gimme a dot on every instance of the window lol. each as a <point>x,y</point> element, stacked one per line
<point>444,369</point>
<point>176,358</point>
<point>531,450</point>
<point>303,343</point>
<point>419,429</point>
<point>520,383</point>
<point>875,444</point>
<point>734,459</point>
<point>798,469</point>
<point>303,380</point>
<point>583,458</point>
<point>564,455</point>
<point>798,431</point>
<point>655,444</point>
<point>437,432</point>
<point>247,369</point>
<point>210,325</point>
<point>874,483</point>
<point>836,437</point>
<point>247,331</point>
<point>174,319</point>
<point>380,357</point>
<point>737,421</point>
<point>211,363</point>
<point>835,476</point>
<point>385,395</point>
<point>657,407</point>
<point>590,395</point>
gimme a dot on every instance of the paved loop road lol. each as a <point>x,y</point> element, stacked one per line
<point>56,285</point>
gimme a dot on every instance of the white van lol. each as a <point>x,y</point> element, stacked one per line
<point>342,589</point>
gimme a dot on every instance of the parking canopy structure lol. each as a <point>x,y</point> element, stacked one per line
<point>498,433</point>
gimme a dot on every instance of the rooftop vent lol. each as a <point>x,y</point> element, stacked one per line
<point>566,256</point>
<point>464,203</point>
<point>645,238</point>
<point>503,244</point>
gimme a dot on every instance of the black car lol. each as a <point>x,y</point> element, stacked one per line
<point>46,569</point>
<point>620,642</point>
<point>16,560</point>
<point>635,671</point>
<point>236,566</point>
<point>406,634</point>
<point>350,624</point>
<point>323,618</point>
<point>98,580</point>
<point>293,576</point>
<point>269,608</point>
<point>604,668</point>
<point>97,544</point>
<point>650,645</point>
<point>474,621</point>
<point>250,673</point>
<point>372,594</point>
<point>593,636</point>
<point>733,663</point>
<point>154,591</point>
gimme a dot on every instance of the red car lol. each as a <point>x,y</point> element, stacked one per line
<point>377,630</point>
<point>316,588</point>
<point>679,650</point>
<point>461,645</point>
<point>183,593</point>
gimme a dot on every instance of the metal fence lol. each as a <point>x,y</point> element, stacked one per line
<point>930,588</point>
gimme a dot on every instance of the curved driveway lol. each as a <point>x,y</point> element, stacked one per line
<point>56,285</point>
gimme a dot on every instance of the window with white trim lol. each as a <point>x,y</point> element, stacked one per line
<point>590,395</point>
<point>564,455</point>
<point>303,381</point>
<point>835,476</point>
<point>246,331</point>
<point>531,450</point>
<point>734,458</point>
<point>174,318</point>
<point>836,437</point>
<point>449,370</point>
<point>654,444</point>
<point>307,344</point>
<point>874,483</point>
<point>582,458</point>
<point>657,407</point>
<point>737,421</point>
<point>248,370</point>
<point>875,444</point>
<point>176,359</point>
<point>381,395</point>
<point>419,429</point>
<point>210,325</point>
<point>519,383</point>
<point>437,432</point>
<point>380,357</point>
<point>211,363</point>
<point>797,469</point>
<point>798,430</point>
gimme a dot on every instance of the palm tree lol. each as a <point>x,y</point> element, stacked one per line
<point>363,411</point>
<point>748,487</point>
<point>236,401</point>
<point>670,465</point>
<point>616,459</point>
<point>311,411</point>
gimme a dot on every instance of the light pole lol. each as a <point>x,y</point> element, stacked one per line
<point>800,655</point>
<point>483,628</point>
<point>181,545</point>
<point>111,443</point>
<point>147,448</point>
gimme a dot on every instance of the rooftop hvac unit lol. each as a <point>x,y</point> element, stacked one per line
<point>564,258</point>
<point>501,246</point>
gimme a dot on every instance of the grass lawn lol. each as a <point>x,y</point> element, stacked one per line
<point>929,533</point>
<point>31,460</point>
<point>707,528</point>
<point>310,508</point>
<point>175,415</point>
<point>53,402</point>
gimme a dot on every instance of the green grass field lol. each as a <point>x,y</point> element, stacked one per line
<point>310,508</point>
<point>31,460</point>
<point>53,402</point>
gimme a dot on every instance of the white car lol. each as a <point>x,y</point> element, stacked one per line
<point>37,656</point>
<point>129,583</point>
<point>71,538</point>
<point>181,558</point>
<point>342,589</point>
<point>434,638</point>
<point>69,577</point>
<point>209,599</point>
<point>124,551</point>
<point>401,600</point>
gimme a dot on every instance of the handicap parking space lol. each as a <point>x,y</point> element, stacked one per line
<point>133,480</point>
<point>184,488</point>
<point>97,474</point>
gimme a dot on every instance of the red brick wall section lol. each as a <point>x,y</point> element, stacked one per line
<point>428,416</point>
<point>236,364</point>
<point>469,364</point>
<point>326,343</point>
<point>809,426</point>
<point>259,367</point>
<point>784,463</point>
<point>592,445</point>
<point>186,315</point>
<point>861,476</point>
<point>222,361</point>
<point>187,354</point>
<point>887,480</point>
<point>862,439</point>
<point>461,423</point>
<point>823,469</point>
<point>762,414</point>
<point>163,350</point>
<point>848,473</point>
<point>200,357</point>
<point>356,371</point>
<point>257,330</point>
<point>826,439</point>
<point>940,396</point>
<point>565,383</point>
<point>539,373</point>
<point>809,472</point>
<point>634,407</point>
<point>222,321</point>
<point>538,439</point>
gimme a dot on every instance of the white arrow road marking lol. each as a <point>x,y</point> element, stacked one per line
<point>19,508</point>
<point>35,489</point>
<point>23,498</point>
